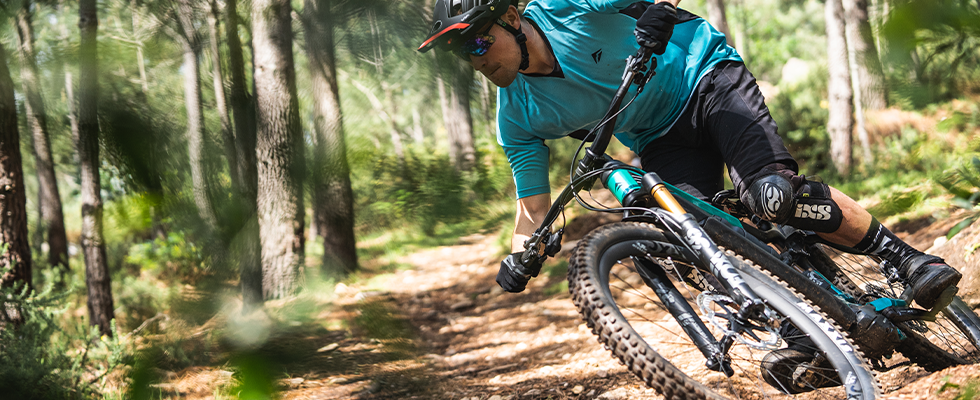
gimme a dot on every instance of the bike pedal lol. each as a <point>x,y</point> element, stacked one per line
<point>944,301</point>
<point>902,314</point>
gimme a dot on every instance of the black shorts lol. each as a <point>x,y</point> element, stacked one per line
<point>726,122</point>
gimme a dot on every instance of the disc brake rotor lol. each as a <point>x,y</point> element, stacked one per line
<point>756,337</point>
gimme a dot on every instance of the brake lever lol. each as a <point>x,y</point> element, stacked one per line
<point>553,244</point>
<point>637,64</point>
<point>532,247</point>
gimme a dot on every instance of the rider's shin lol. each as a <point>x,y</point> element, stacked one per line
<point>927,276</point>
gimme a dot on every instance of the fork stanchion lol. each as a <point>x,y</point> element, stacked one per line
<point>655,186</point>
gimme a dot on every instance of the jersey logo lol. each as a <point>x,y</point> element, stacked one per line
<point>597,56</point>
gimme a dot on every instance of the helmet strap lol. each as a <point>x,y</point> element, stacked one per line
<point>521,40</point>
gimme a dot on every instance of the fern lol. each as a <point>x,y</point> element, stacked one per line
<point>964,184</point>
<point>41,360</point>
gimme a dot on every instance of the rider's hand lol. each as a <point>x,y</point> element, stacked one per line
<point>654,27</point>
<point>513,275</point>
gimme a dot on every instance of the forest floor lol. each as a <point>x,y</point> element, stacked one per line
<point>441,328</point>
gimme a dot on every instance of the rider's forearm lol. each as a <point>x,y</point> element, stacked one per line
<point>531,210</point>
<point>673,2</point>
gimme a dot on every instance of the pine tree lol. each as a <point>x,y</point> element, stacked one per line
<point>49,199</point>
<point>333,199</point>
<point>279,148</point>
<point>15,260</point>
<point>100,302</point>
<point>841,118</point>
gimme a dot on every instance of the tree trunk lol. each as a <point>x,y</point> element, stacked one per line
<point>456,111</point>
<point>460,121</point>
<point>489,113</point>
<point>141,65</point>
<point>191,45</point>
<point>716,16</point>
<point>96,268</point>
<point>49,200</point>
<point>860,42</point>
<point>866,74</point>
<point>418,136</point>
<point>333,199</point>
<point>279,148</point>
<point>13,200</point>
<point>441,89</point>
<point>248,255</point>
<point>876,14</point>
<point>227,132</point>
<point>396,134</point>
<point>840,121</point>
<point>69,79</point>
<point>739,31</point>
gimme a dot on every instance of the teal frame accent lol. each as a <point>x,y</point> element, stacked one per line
<point>704,206</point>
<point>885,302</point>
<point>621,183</point>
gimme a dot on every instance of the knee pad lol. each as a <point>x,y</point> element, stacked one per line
<point>770,196</point>
<point>782,197</point>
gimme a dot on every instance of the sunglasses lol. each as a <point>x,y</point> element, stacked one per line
<point>477,46</point>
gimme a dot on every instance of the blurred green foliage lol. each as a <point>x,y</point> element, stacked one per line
<point>935,48</point>
<point>254,377</point>
<point>966,391</point>
<point>425,190</point>
<point>801,114</point>
<point>171,258</point>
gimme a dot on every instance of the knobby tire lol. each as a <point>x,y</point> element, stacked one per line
<point>615,250</point>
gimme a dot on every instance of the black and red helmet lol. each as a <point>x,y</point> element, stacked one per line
<point>461,19</point>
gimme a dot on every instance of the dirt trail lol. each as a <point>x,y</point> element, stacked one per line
<point>464,338</point>
<point>480,342</point>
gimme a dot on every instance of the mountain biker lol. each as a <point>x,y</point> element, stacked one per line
<point>561,59</point>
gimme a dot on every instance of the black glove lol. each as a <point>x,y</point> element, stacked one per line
<point>513,275</point>
<point>654,27</point>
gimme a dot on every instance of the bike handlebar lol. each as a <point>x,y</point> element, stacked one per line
<point>636,72</point>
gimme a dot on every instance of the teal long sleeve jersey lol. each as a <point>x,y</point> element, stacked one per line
<point>591,40</point>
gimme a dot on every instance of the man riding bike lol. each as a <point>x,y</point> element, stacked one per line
<point>701,111</point>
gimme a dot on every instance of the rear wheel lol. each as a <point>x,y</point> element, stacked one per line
<point>953,339</point>
<point>800,353</point>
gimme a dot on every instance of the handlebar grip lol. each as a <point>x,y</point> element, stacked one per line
<point>528,255</point>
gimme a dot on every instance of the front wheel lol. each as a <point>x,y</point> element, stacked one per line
<point>801,352</point>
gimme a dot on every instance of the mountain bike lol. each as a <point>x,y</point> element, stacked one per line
<point>705,300</point>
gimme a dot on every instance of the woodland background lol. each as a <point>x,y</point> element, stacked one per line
<point>171,169</point>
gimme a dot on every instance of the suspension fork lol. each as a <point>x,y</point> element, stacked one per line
<point>751,306</point>
<point>656,278</point>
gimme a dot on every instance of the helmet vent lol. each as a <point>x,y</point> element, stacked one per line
<point>436,26</point>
